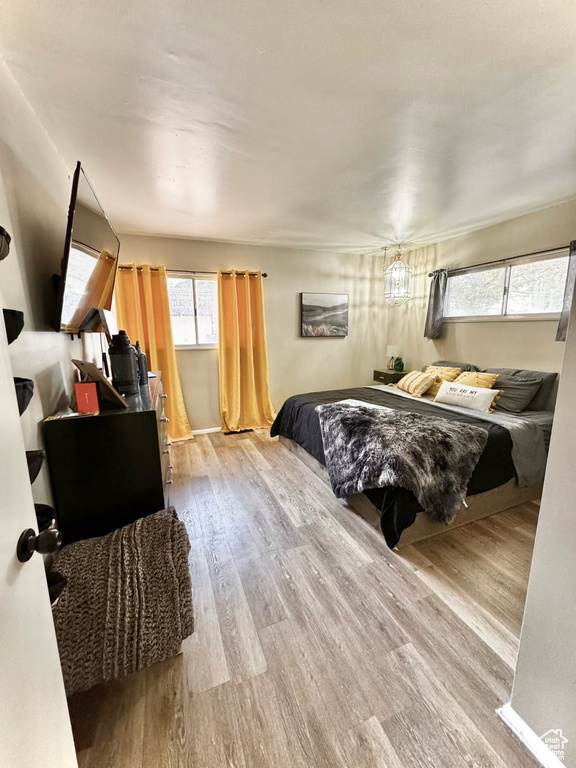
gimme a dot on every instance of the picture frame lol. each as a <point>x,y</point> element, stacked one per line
<point>107,391</point>
<point>323,315</point>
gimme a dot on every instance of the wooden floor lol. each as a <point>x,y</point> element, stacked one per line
<point>315,645</point>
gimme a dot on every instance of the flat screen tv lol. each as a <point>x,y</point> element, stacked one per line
<point>89,234</point>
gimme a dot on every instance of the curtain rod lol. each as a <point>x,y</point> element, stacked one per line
<point>90,248</point>
<point>197,271</point>
<point>505,261</point>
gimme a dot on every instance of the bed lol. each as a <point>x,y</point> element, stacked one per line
<point>493,486</point>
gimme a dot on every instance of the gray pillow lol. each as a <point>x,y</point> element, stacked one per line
<point>539,401</point>
<point>518,391</point>
<point>464,366</point>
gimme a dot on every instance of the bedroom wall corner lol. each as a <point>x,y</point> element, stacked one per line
<point>523,344</point>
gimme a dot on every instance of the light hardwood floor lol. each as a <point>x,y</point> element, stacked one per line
<point>315,645</point>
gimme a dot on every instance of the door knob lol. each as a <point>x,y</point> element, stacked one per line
<point>45,543</point>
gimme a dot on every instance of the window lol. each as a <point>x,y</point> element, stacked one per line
<point>517,289</point>
<point>193,310</point>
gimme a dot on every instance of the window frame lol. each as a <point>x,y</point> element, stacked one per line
<point>193,277</point>
<point>507,265</point>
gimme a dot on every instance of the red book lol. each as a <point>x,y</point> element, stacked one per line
<point>87,397</point>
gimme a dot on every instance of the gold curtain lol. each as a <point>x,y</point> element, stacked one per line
<point>143,311</point>
<point>244,392</point>
<point>98,290</point>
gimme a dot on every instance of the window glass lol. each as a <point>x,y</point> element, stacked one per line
<point>475,293</point>
<point>537,287</point>
<point>181,296</point>
<point>193,310</point>
<point>207,305</point>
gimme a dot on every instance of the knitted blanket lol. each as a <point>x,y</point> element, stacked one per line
<point>128,602</point>
<point>371,447</point>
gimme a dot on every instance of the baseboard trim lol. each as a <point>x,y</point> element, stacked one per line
<point>206,431</point>
<point>528,737</point>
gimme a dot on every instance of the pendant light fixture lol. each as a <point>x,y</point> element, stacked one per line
<point>398,281</point>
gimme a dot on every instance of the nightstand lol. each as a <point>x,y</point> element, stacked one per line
<point>388,377</point>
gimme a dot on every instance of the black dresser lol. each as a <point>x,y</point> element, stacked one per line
<point>108,470</point>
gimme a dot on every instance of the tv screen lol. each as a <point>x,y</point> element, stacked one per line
<point>90,258</point>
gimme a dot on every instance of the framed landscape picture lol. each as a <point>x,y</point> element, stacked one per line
<point>324,314</point>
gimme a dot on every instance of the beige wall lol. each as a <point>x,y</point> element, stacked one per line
<point>34,195</point>
<point>503,344</point>
<point>544,692</point>
<point>296,364</point>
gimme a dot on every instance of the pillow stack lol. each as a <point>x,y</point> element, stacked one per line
<point>471,389</point>
<point>442,373</point>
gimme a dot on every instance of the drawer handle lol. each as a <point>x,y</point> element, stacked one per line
<point>169,482</point>
<point>165,419</point>
<point>163,396</point>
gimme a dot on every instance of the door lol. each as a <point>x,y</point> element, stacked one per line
<point>34,723</point>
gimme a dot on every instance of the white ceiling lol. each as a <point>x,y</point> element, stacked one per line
<point>330,124</point>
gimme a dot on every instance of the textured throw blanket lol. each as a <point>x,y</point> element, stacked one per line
<point>128,602</point>
<point>367,447</point>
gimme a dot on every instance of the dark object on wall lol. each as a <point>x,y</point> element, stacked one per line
<point>435,314</point>
<point>108,470</point>
<point>142,365</point>
<point>88,233</point>
<point>124,364</point>
<point>24,391</point>
<point>5,241</point>
<point>14,322</point>
<point>35,460</point>
<point>324,314</point>
<point>128,603</point>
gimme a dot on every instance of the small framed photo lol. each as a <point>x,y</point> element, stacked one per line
<point>324,314</point>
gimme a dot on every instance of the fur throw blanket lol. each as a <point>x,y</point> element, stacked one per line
<point>367,447</point>
<point>128,601</point>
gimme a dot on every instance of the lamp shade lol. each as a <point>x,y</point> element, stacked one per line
<point>393,350</point>
<point>398,282</point>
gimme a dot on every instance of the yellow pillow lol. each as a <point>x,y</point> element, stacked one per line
<point>477,379</point>
<point>442,373</point>
<point>416,383</point>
